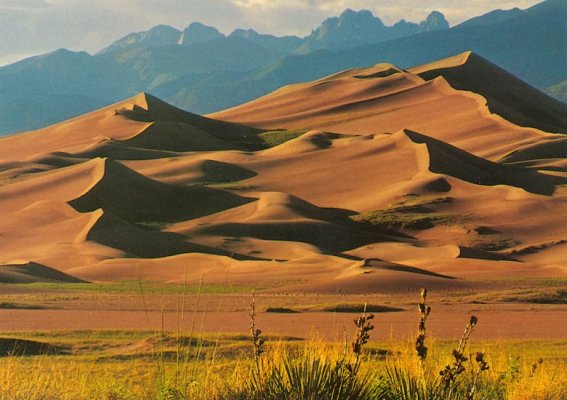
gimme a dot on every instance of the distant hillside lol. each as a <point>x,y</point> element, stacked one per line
<point>558,91</point>
<point>202,70</point>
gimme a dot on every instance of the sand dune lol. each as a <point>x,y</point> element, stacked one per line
<point>311,141</point>
<point>187,170</point>
<point>107,184</point>
<point>140,122</point>
<point>402,179</point>
<point>61,184</point>
<point>367,166</point>
<point>116,188</point>
<point>75,134</point>
<point>511,98</point>
<point>332,91</point>
<point>382,277</point>
<point>115,150</point>
<point>449,160</point>
<point>28,272</point>
<point>55,234</point>
<point>46,233</point>
<point>551,150</point>
<point>347,103</point>
<point>171,136</point>
<point>281,217</point>
<point>217,269</point>
<point>113,232</point>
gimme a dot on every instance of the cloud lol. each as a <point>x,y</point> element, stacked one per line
<point>390,12</point>
<point>22,4</point>
<point>276,4</point>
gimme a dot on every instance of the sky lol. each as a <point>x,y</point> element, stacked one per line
<point>32,27</point>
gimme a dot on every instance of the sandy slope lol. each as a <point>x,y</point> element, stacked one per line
<point>403,179</point>
<point>28,272</point>
<point>512,99</point>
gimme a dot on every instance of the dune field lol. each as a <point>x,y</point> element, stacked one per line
<point>451,176</point>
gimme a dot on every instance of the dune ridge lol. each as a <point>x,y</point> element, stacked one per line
<point>513,99</point>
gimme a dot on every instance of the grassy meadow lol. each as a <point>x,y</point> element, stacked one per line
<point>142,365</point>
<point>195,364</point>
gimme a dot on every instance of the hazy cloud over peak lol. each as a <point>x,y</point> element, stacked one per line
<point>22,4</point>
<point>38,26</point>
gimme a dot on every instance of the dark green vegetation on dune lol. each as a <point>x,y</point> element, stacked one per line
<point>414,212</point>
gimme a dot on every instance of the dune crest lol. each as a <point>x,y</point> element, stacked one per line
<point>513,99</point>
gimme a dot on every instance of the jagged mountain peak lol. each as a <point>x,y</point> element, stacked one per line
<point>435,21</point>
<point>158,36</point>
<point>355,28</point>
<point>197,32</point>
<point>358,15</point>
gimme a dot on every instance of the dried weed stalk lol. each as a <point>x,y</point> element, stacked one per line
<point>257,340</point>
<point>361,338</point>
<point>424,311</point>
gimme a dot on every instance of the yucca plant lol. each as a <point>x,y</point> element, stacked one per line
<point>310,375</point>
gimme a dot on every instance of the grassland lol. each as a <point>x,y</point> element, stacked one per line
<point>146,365</point>
<point>197,363</point>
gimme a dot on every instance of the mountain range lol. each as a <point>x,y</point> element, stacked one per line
<point>350,29</point>
<point>203,70</point>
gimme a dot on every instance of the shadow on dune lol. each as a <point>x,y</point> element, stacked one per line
<point>450,160</point>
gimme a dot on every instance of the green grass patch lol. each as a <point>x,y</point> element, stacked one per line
<point>277,137</point>
<point>142,286</point>
<point>359,308</point>
<point>535,296</point>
